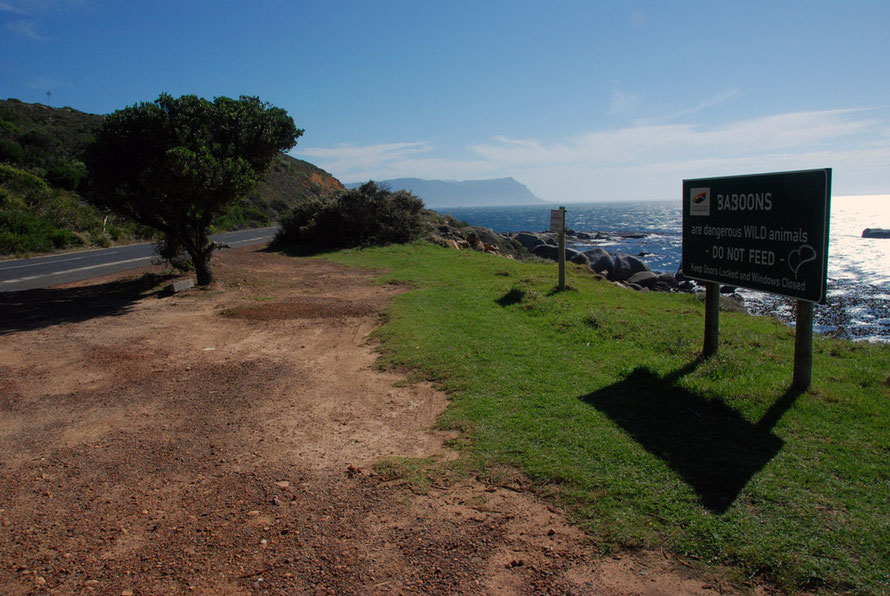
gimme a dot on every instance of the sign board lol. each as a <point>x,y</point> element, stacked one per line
<point>557,220</point>
<point>767,232</point>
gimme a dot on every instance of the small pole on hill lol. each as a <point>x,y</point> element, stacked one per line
<point>562,251</point>
<point>803,346</point>
<point>712,319</point>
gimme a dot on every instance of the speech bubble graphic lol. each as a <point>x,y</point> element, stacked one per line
<point>799,256</point>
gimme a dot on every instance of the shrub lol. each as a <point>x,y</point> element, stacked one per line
<point>239,216</point>
<point>366,216</point>
<point>67,174</point>
<point>11,151</point>
<point>22,232</point>
<point>29,187</point>
<point>173,254</point>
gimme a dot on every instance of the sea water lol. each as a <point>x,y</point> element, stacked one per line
<point>858,297</point>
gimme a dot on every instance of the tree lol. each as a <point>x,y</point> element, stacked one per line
<point>176,164</point>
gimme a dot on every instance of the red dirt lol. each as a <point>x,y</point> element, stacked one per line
<point>221,441</point>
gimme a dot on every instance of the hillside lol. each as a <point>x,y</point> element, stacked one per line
<point>476,193</point>
<point>42,181</point>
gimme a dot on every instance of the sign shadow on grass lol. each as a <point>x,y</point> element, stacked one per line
<point>710,445</point>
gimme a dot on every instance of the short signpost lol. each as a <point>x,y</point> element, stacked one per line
<point>558,225</point>
<point>767,232</point>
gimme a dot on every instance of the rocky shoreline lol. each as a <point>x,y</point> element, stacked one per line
<point>852,311</point>
<point>624,270</point>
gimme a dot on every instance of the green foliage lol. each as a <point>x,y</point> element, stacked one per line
<point>174,255</point>
<point>67,174</point>
<point>365,216</point>
<point>11,151</point>
<point>22,232</point>
<point>51,168</point>
<point>47,219</point>
<point>25,185</point>
<point>177,164</point>
<point>242,215</point>
<point>598,397</point>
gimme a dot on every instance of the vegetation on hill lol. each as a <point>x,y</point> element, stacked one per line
<point>42,174</point>
<point>599,397</point>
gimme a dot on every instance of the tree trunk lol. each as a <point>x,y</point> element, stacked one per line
<point>203,269</point>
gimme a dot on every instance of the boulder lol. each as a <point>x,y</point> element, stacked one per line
<point>528,240</point>
<point>645,279</point>
<point>479,237</point>
<point>579,257</point>
<point>626,265</point>
<point>600,260</point>
<point>669,279</point>
<point>875,233</point>
<point>548,251</point>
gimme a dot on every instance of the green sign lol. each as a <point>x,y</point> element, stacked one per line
<point>767,232</point>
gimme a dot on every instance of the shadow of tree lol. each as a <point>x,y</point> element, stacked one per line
<point>34,309</point>
<point>713,448</point>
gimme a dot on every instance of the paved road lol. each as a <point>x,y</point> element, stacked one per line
<point>42,272</point>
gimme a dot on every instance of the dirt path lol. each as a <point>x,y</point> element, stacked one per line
<point>221,442</point>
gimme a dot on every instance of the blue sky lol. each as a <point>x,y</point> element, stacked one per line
<point>581,101</point>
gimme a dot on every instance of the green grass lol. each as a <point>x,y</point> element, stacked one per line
<point>597,396</point>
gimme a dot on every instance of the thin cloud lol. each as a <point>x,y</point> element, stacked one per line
<point>648,142</point>
<point>352,163</point>
<point>708,103</point>
<point>642,161</point>
<point>345,161</point>
<point>46,84</point>
<point>622,102</point>
<point>11,8</point>
<point>26,28</point>
<point>366,156</point>
<point>33,12</point>
<point>32,7</point>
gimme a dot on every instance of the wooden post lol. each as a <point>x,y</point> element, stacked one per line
<point>803,346</point>
<point>562,252</point>
<point>712,319</point>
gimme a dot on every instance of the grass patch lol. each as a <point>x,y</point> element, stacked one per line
<point>418,474</point>
<point>598,397</point>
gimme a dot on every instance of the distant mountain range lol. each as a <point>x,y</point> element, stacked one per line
<point>466,193</point>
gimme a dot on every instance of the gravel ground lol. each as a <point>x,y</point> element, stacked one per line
<point>222,441</point>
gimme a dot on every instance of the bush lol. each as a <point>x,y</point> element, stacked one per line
<point>366,216</point>
<point>32,189</point>
<point>239,216</point>
<point>11,151</point>
<point>173,254</point>
<point>22,232</point>
<point>67,174</point>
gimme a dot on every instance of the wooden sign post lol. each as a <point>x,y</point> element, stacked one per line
<point>712,319</point>
<point>767,232</point>
<point>558,225</point>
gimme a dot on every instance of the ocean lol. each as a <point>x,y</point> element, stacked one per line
<point>858,301</point>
